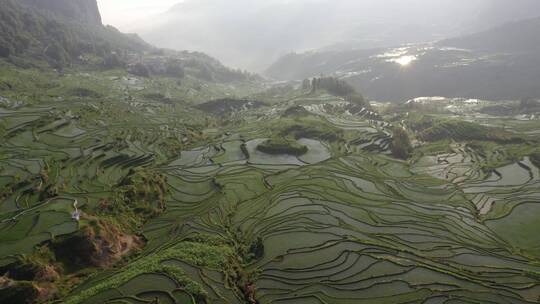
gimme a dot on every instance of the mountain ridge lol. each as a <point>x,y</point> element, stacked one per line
<point>521,35</point>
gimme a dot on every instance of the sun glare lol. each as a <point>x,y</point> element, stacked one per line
<point>405,60</point>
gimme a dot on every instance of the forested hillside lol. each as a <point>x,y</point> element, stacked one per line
<point>61,34</point>
<point>35,32</point>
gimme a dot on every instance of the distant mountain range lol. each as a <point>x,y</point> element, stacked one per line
<point>501,63</point>
<point>252,34</point>
<point>520,36</point>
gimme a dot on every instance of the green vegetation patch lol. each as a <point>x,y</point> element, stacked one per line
<point>84,93</point>
<point>229,105</point>
<point>203,251</point>
<point>296,111</point>
<point>401,145</point>
<point>463,130</point>
<point>281,145</point>
<point>496,155</point>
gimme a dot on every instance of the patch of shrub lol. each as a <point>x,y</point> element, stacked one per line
<point>281,145</point>
<point>139,69</point>
<point>296,111</point>
<point>84,93</point>
<point>229,105</point>
<point>174,69</point>
<point>401,145</point>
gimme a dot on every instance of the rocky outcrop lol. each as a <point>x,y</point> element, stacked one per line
<point>99,245</point>
<point>85,11</point>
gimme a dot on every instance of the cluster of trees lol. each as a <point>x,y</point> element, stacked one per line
<point>208,69</point>
<point>296,111</point>
<point>170,64</point>
<point>174,69</point>
<point>282,145</point>
<point>167,65</point>
<point>140,69</point>
<point>227,106</point>
<point>401,145</point>
<point>335,86</point>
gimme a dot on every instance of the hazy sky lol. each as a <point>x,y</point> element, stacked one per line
<point>123,13</point>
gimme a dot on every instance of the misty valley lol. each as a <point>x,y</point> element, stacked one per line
<point>362,167</point>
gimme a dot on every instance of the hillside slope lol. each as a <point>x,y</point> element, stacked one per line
<point>61,34</point>
<point>51,31</point>
<point>520,36</point>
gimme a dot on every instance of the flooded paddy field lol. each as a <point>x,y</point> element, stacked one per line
<point>342,223</point>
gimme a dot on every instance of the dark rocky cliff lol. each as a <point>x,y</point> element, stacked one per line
<point>82,11</point>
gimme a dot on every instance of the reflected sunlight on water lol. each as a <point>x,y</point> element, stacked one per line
<point>404,60</point>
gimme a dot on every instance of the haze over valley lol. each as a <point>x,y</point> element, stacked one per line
<point>252,34</point>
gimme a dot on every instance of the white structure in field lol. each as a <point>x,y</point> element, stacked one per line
<point>76,215</point>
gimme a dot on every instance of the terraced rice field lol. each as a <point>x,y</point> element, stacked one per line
<point>344,231</point>
<point>343,223</point>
